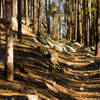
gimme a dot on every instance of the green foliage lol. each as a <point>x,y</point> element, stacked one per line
<point>94,6</point>
<point>52,5</point>
<point>70,6</point>
<point>92,10</point>
<point>53,10</point>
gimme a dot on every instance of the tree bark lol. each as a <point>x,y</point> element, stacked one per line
<point>9,43</point>
<point>80,22</point>
<point>40,15</point>
<point>34,17</point>
<point>49,19</point>
<point>14,8</point>
<point>0,8</point>
<point>98,28</point>
<point>90,22</point>
<point>47,8</point>
<point>26,13</point>
<point>70,32</point>
<point>84,23</point>
<point>19,20</point>
<point>59,20</point>
<point>53,20</point>
<point>3,4</point>
<point>76,22</point>
<point>65,19</point>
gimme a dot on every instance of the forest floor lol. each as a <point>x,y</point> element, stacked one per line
<point>77,79</point>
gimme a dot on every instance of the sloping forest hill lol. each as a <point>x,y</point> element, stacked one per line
<point>50,69</point>
<point>49,49</point>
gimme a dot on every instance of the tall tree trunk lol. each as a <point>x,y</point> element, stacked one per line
<point>23,8</point>
<point>80,21</point>
<point>90,22</point>
<point>19,20</point>
<point>26,13</point>
<point>9,43</point>
<point>34,17</point>
<point>78,34</point>
<point>98,28</point>
<point>0,7</point>
<point>59,20</point>
<point>84,23</point>
<point>40,15</point>
<point>94,28</point>
<point>3,4</point>
<point>70,32</point>
<point>30,10</point>
<point>73,20</point>
<point>53,20</point>
<point>49,19</point>
<point>46,11</point>
<point>65,25</point>
<point>76,24</point>
<point>14,8</point>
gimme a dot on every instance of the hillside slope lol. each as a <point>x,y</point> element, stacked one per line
<point>52,70</point>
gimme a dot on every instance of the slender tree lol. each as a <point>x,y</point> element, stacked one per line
<point>49,18</point>
<point>40,15</point>
<point>65,17</point>
<point>34,17</point>
<point>84,23</point>
<point>14,8</point>
<point>47,15</point>
<point>77,35</point>
<point>19,20</point>
<point>80,22</point>
<point>59,20</point>
<point>90,21</point>
<point>26,12</point>
<point>3,5</point>
<point>76,17</point>
<point>9,43</point>
<point>0,8</point>
<point>98,28</point>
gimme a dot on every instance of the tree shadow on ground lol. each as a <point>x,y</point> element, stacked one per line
<point>82,77</point>
<point>15,97</point>
<point>35,70</point>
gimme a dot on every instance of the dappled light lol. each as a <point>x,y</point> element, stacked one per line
<point>49,50</point>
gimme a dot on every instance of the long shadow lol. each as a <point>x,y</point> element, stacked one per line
<point>67,82</point>
<point>14,97</point>
<point>60,95</point>
<point>41,85</point>
<point>89,67</point>
<point>30,81</point>
<point>38,66</point>
<point>32,59</point>
<point>89,79</point>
